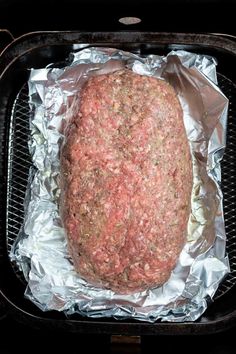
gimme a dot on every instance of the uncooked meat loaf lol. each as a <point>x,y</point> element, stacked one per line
<point>126,181</point>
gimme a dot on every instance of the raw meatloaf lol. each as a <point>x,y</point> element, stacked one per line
<point>126,182</point>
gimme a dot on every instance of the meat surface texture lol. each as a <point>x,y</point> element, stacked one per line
<point>126,182</point>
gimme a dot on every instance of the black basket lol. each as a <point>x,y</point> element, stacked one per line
<point>39,49</point>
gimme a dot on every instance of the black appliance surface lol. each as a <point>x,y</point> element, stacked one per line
<point>27,341</point>
<point>22,16</point>
<point>17,315</point>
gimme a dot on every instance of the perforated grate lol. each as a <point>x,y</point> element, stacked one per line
<point>228,185</point>
<point>19,163</point>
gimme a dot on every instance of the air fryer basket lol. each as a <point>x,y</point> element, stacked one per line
<point>40,49</point>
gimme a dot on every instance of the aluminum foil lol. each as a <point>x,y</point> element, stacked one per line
<point>41,248</point>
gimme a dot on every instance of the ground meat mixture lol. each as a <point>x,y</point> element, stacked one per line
<point>126,182</point>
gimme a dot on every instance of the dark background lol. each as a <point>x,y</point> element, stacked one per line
<point>96,15</point>
<point>89,15</point>
<point>19,339</point>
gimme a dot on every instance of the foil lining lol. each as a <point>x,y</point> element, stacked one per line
<point>41,247</point>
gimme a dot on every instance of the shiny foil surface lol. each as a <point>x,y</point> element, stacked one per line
<point>41,248</point>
